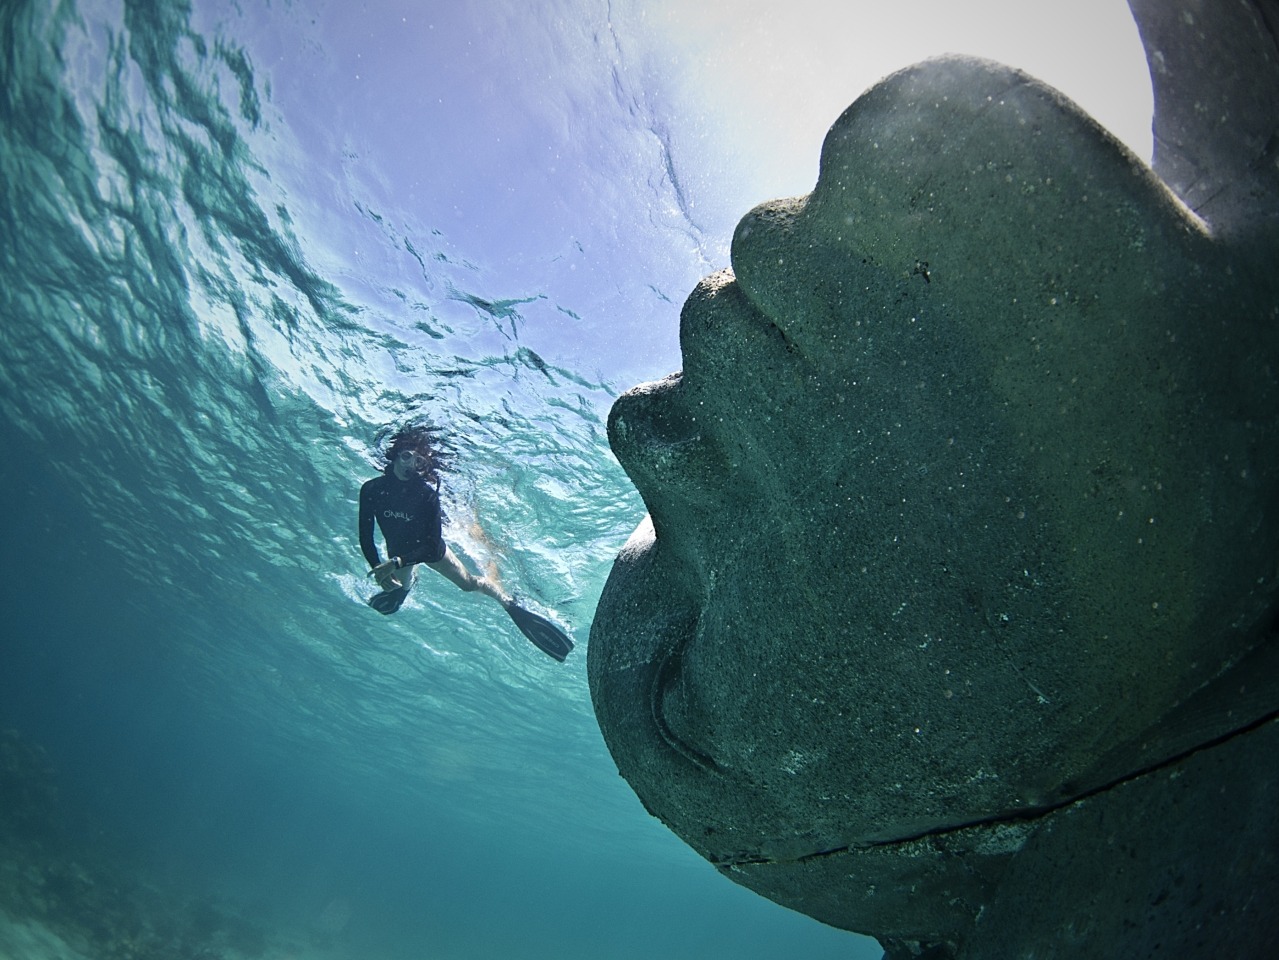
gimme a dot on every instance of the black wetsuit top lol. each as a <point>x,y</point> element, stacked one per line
<point>408,511</point>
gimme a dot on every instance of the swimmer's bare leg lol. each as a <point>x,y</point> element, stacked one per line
<point>451,569</point>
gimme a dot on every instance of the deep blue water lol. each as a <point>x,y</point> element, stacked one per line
<point>215,291</point>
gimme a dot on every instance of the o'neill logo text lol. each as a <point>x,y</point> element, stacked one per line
<point>397,515</point>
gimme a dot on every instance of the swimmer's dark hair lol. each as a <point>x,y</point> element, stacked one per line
<point>423,438</point>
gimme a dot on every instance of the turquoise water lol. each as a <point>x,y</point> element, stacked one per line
<point>217,287</point>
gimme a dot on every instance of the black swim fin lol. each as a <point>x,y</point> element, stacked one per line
<point>543,634</point>
<point>388,601</point>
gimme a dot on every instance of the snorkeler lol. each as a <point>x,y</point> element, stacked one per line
<point>405,504</point>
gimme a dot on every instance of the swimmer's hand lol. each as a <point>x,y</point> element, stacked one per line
<point>384,574</point>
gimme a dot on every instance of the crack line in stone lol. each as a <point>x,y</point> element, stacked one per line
<point>1034,813</point>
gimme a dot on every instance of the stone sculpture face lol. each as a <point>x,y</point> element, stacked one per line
<point>964,491</point>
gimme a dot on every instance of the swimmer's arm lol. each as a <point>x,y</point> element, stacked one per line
<point>368,545</point>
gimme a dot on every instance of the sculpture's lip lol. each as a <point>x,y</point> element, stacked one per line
<point>664,677</point>
<point>649,653</point>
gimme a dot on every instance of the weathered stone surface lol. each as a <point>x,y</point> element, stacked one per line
<point>1181,862</point>
<point>963,526</point>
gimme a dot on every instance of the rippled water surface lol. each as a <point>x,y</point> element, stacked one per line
<point>210,307</point>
